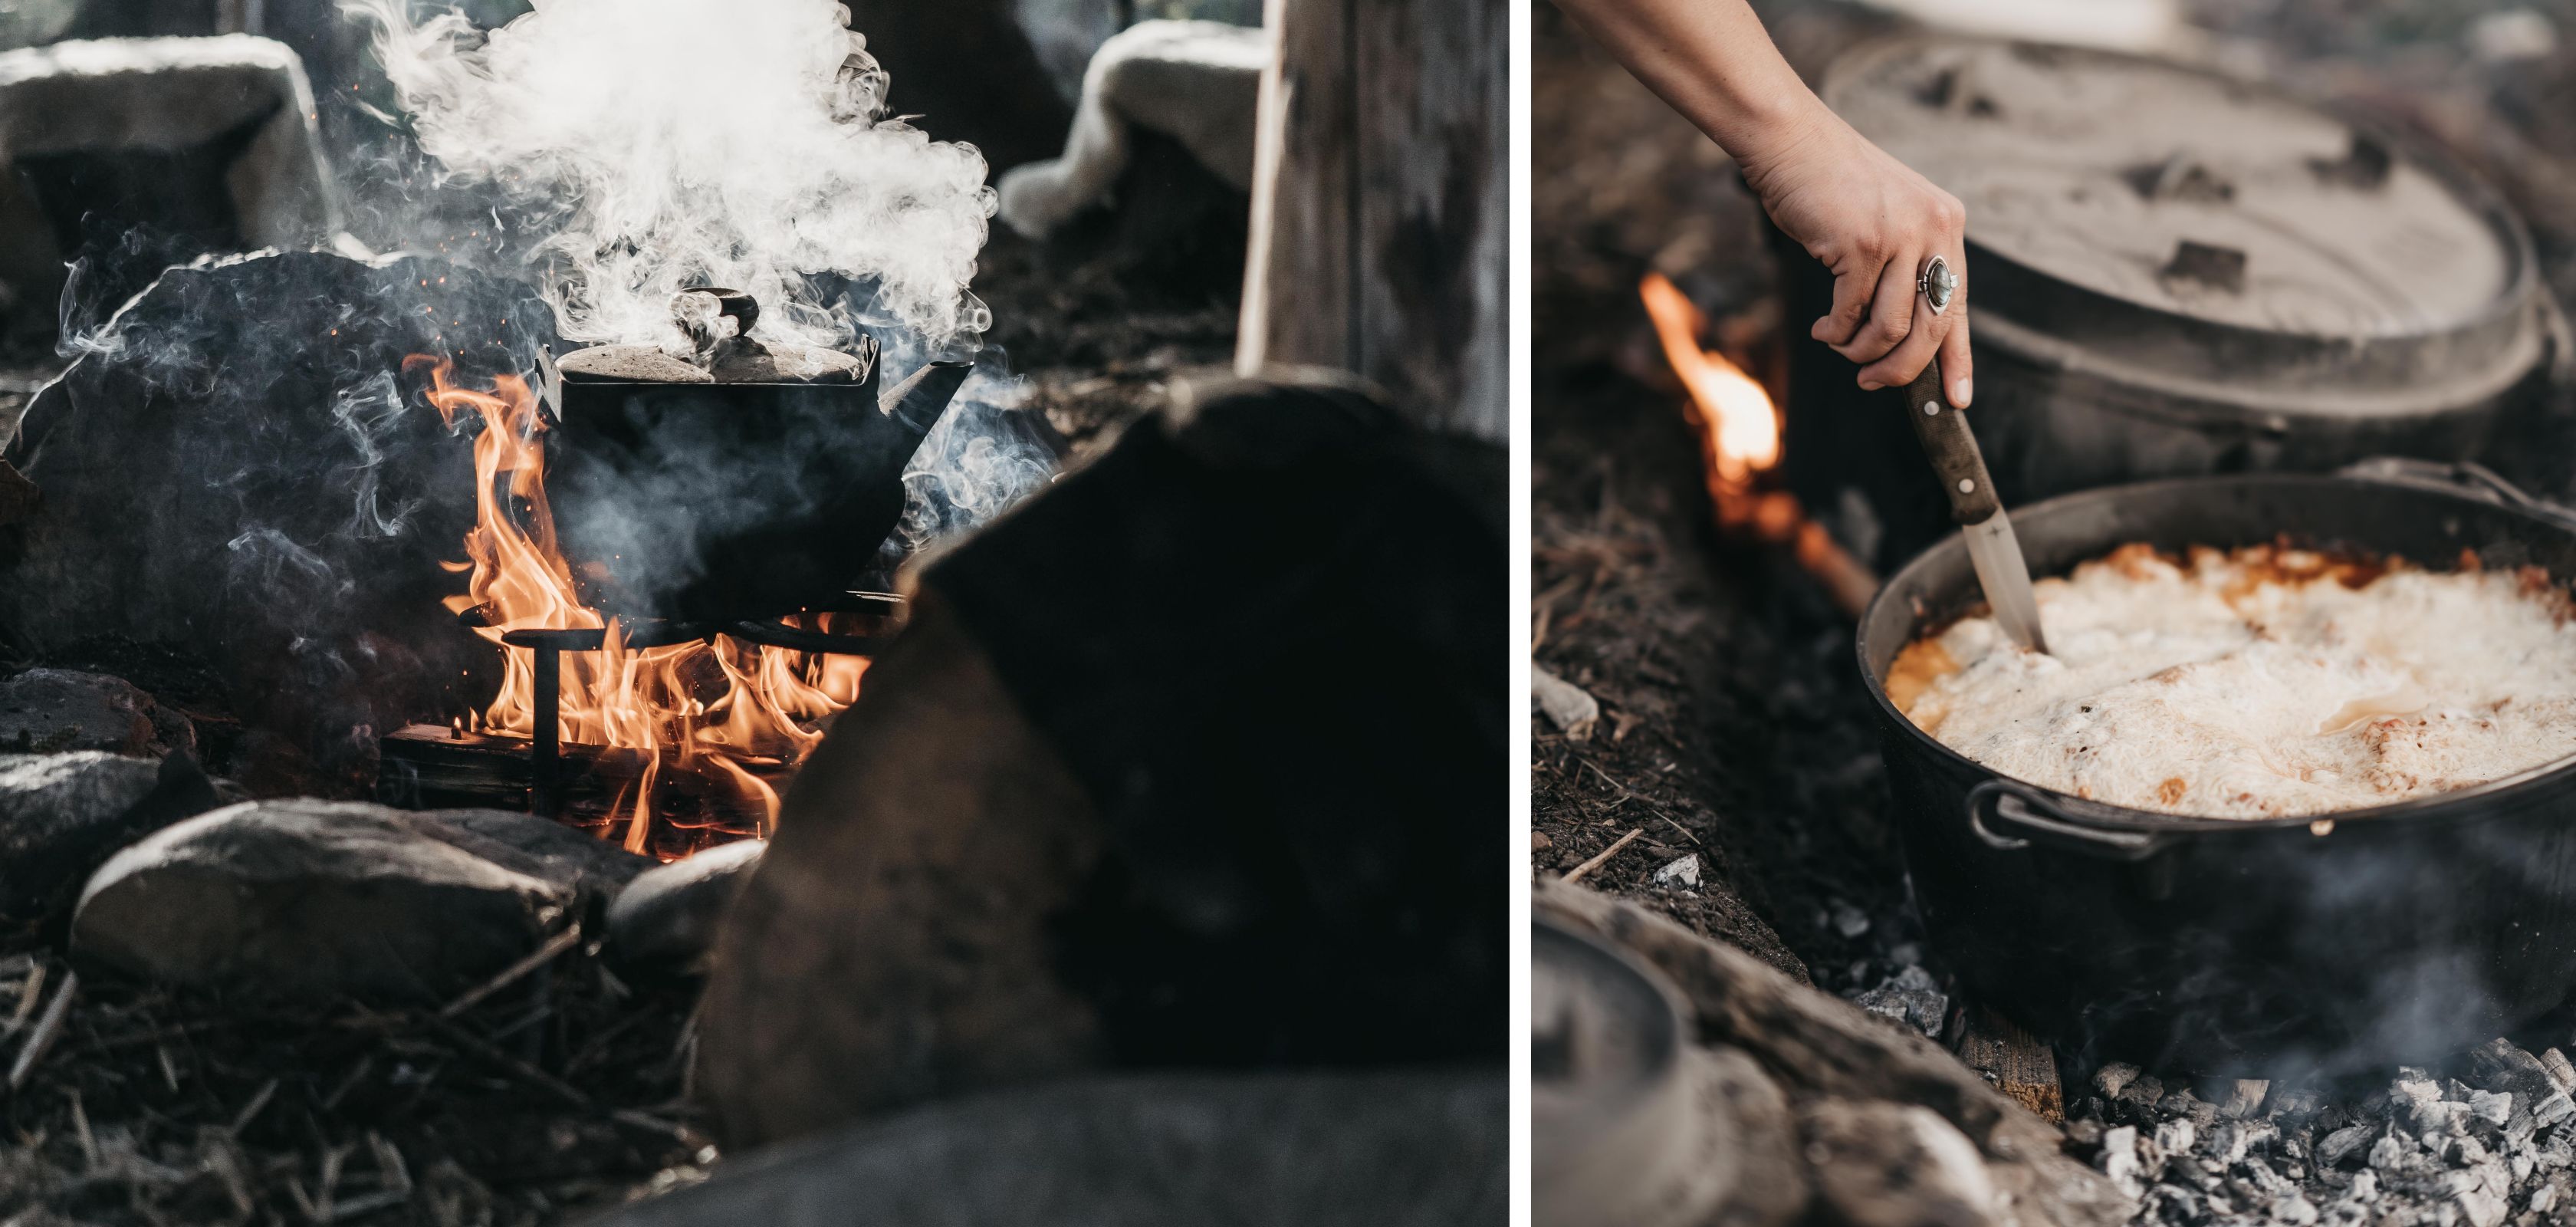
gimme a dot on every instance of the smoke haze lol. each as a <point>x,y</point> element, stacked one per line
<point>667,143</point>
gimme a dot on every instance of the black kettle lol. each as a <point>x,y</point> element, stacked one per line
<point>724,479</point>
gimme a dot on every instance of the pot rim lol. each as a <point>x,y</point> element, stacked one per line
<point>2106,816</point>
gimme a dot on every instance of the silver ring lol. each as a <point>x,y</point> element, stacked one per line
<point>1937,284</point>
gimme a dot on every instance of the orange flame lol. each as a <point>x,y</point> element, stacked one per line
<point>709,711</point>
<point>1739,432</point>
<point>1739,426</point>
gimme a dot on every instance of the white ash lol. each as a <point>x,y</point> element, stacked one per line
<point>2488,1147</point>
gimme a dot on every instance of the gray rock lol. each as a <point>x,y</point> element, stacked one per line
<point>48,711</point>
<point>309,897</point>
<point>666,918</point>
<point>1387,1150</point>
<point>106,96</point>
<point>63,814</point>
<point>593,868</point>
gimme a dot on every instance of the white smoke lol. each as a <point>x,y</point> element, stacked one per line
<point>669,143</point>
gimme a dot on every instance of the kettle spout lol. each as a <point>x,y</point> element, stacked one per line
<point>917,402</point>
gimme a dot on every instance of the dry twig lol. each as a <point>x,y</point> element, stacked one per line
<point>1576,874</point>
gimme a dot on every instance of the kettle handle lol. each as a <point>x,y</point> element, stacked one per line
<point>744,309</point>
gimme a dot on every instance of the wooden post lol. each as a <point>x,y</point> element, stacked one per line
<point>1381,202</point>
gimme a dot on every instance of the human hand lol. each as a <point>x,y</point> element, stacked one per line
<point>1873,222</point>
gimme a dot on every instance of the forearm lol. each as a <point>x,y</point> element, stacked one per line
<point>1712,61</point>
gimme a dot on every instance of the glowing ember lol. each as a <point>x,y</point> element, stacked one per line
<point>1739,432</point>
<point>709,713</point>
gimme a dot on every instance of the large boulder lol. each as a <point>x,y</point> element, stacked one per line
<point>236,468</point>
<point>322,898</point>
<point>1189,761</point>
<point>62,814</point>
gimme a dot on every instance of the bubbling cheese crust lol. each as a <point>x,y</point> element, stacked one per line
<point>2261,683</point>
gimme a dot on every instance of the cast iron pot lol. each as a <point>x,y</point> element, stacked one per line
<point>758,486</point>
<point>2262,948</point>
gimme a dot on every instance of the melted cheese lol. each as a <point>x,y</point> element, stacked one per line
<point>2257,684</point>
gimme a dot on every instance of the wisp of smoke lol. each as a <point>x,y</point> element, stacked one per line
<point>668,143</point>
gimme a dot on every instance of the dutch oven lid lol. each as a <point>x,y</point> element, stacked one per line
<point>2110,195</point>
<point>712,344</point>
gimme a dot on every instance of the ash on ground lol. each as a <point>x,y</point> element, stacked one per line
<point>2491,1143</point>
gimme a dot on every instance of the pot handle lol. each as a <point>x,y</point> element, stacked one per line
<point>2009,817</point>
<point>2458,477</point>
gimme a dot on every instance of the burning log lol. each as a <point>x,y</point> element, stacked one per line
<point>1739,431</point>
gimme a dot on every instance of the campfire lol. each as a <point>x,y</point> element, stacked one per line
<point>1739,428</point>
<point>696,731</point>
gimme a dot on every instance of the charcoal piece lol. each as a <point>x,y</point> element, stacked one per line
<point>2343,1144</point>
<point>666,918</point>
<point>2500,1065</point>
<point>2180,1102</point>
<point>1310,1150</point>
<point>317,898</point>
<point>237,471</point>
<point>2562,1074</point>
<point>2114,1078</point>
<point>48,711</point>
<point>1910,998</point>
<point>63,814</point>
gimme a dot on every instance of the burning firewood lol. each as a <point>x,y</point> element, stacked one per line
<point>1739,432</point>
